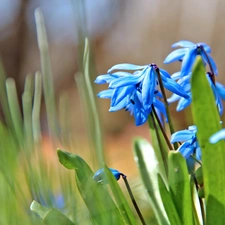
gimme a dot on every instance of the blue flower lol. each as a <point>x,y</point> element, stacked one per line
<point>137,92</point>
<point>99,176</point>
<point>220,135</point>
<point>188,54</point>
<point>190,144</point>
<point>217,88</point>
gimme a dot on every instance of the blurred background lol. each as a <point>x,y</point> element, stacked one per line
<point>138,32</point>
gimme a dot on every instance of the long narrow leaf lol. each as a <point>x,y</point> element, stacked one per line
<point>148,165</point>
<point>206,117</point>
<point>180,188</point>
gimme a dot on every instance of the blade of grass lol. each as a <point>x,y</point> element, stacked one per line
<point>36,108</point>
<point>49,93</point>
<point>15,110</point>
<point>27,112</point>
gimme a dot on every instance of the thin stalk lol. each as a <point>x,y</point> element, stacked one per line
<point>164,157</point>
<point>161,128</point>
<point>200,200</point>
<point>133,199</point>
<point>166,104</point>
<point>212,76</point>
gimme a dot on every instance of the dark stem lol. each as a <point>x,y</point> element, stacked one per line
<point>162,129</point>
<point>167,105</point>
<point>200,200</point>
<point>164,157</point>
<point>212,76</point>
<point>133,199</point>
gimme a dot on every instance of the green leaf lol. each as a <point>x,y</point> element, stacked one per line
<point>95,195</point>
<point>148,165</point>
<point>50,216</point>
<point>206,117</point>
<point>168,203</point>
<point>120,198</point>
<point>180,188</point>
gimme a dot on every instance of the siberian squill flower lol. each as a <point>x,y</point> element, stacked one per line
<point>137,92</point>
<point>188,53</point>
<point>217,88</point>
<point>190,144</point>
<point>100,177</point>
<point>220,135</point>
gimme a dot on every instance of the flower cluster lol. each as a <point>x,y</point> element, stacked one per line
<point>137,92</point>
<point>190,144</point>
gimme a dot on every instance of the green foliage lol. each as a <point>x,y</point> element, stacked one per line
<point>180,188</point>
<point>149,168</point>
<point>101,207</point>
<point>207,119</point>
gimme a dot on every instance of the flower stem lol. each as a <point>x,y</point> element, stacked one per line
<point>212,75</point>
<point>164,156</point>
<point>133,199</point>
<point>162,129</point>
<point>166,104</point>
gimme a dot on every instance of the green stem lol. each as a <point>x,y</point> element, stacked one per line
<point>133,199</point>
<point>161,128</point>
<point>164,157</point>
<point>166,104</point>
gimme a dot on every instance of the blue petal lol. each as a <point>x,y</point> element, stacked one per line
<point>188,61</point>
<point>215,70</point>
<point>183,103</point>
<point>176,75</point>
<point>172,86</point>
<point>125,81</point>
<point>217,136</point>
<point>221,90</point>
<point>173,98</point>
<point>105,93</point>
<point>140,115</point>
<point>184,43</point>
<point>186,150</point>
<point>121,105</point>
<point>148,87</point>
<point>198,154</point>
<point>125,66</point>
<point>182,135</point>
<point>160,106</point>
<point>106,78</point>
<point>175,55</point>
<point>165,73</point>
<point>121,93</point>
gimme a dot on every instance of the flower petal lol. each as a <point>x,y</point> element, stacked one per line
<point>148,88</point>
<point>105,78</point>
<point>125,66</point>
<point>175,55</point>
<point>121,105</point>
<point>176,75</point>
<point>221,90</point>
<point>172,86</point>
<point>173,98</point>
<point>182,135</point>
<point>120,93</point>
<point>183,103</point>
<point>188,61</point>
<point>217,136</point>
<point>105,93</point>
<point>205,46</point>
<point>184,43</point>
